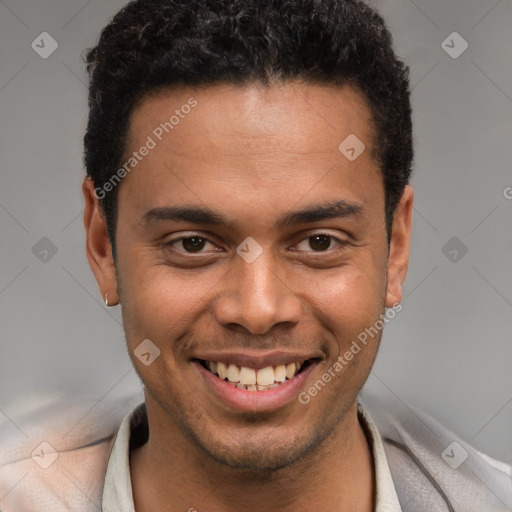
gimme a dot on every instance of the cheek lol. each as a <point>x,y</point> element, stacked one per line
<point>348,305</point>
<point>351,297</point>
<point>350,308</point>
<point>160,305</point>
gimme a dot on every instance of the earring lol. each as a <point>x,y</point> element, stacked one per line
<point>106,299</point>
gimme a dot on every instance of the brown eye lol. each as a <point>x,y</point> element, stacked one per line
<point>193,243</point>
<point>320,242</point>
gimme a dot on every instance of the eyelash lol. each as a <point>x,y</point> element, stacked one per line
<point>339,242</point>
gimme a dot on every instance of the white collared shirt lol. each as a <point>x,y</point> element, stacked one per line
<point>117,491</point>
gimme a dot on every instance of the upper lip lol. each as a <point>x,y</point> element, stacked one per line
<point>258,358</point>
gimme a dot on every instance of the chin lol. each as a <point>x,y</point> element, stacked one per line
<point>261,453</point>
<point>256,460</point>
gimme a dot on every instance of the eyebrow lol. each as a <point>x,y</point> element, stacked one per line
<point>206,216</point>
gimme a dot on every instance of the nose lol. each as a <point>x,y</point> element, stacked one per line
<point>255,299</point>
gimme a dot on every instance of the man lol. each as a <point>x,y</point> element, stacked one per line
<point>248,205</point>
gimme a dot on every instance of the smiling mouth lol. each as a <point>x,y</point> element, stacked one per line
<point>251,379</point>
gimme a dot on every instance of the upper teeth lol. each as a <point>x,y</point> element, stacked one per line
<point>254,379</point>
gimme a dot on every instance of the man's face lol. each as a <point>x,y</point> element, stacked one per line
<point>253,156</point>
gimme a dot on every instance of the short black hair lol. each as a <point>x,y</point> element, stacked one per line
<point>152,44</point>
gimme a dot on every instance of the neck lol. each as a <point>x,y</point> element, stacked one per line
<point>338,475</point>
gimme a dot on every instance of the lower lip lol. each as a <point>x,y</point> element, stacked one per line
<point>255,401</point>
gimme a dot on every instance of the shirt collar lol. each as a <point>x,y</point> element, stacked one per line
<point>387,499</point>
<point>117,490</point>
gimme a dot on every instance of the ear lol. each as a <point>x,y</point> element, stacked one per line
<point>98,248</point>
<point>398,258</point>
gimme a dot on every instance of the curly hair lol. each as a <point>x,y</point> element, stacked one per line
<point>151,44</point>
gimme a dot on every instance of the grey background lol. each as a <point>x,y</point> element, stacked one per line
<point>448,352</point>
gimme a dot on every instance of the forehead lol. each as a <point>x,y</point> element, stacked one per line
<point>305,118</point>
<point>279,143</point>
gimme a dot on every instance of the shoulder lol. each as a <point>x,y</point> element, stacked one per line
<point>57,460</point>
<point>72,481</point>
<point>433,468</point>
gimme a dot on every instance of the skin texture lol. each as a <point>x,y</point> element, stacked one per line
<point>251,154</point>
